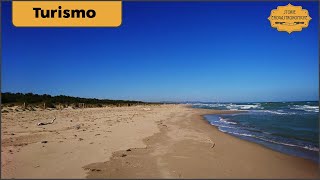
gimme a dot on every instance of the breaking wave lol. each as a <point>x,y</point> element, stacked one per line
<point>306,108</point>
<point>308,147</point>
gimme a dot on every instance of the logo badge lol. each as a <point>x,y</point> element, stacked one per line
<point>289,18</point>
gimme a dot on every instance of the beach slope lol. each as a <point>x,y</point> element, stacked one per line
<point>165,141</point>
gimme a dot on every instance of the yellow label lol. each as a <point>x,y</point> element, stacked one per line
<point>66,13</point>
<point>289,18</point>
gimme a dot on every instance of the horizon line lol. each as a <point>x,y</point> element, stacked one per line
<point>166,101</point>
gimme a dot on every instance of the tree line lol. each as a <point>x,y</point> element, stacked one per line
<point>30,98</point>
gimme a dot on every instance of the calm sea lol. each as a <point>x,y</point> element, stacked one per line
<point>287,127</point>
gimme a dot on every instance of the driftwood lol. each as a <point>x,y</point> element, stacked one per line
<point>45,123</point>
<point>133,116</point>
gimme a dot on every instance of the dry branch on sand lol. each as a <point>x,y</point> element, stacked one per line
<point>46,123</point>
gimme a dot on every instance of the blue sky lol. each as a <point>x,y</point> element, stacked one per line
<point>168,51</point>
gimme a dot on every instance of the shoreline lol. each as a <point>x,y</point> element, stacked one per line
<point>166,141</point>
<point>138,156</point>
<point>261,145</point>
<point>216,128</point>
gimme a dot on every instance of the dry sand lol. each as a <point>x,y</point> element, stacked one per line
<point>167,141</point>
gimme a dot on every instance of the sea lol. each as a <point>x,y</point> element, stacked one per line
<point>287,127</point>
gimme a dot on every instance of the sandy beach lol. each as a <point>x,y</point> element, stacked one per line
<point>159,141</point>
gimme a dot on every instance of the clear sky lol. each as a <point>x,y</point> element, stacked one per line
<point>168,51</point>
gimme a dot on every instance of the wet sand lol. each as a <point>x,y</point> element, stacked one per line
<point>167,141</point>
